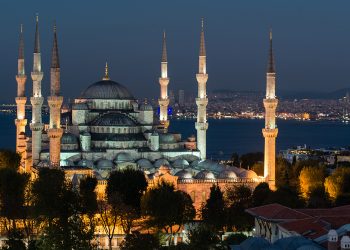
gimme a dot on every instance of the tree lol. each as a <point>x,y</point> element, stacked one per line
<point>235,239</point>
<point>311,178</point>
<point>248,160</point>
<point>235,159</point>
<point>338,183</point>
<point>296,169</point>
<point>239,198</point>
<point>124,191</point>
<point>213,212</point>
<point>167,208</point>
<point>12,198</point>
<point>318,198</point>
<point>261,194</point>
<point>136,241</point>
<point>9,159</point>
<point>203,238</point>
<point>258,168</point>
<point>283,172</point>
<point>286,196</point>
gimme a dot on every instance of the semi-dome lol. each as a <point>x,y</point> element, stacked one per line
<point>205,175</point>
<point>69,138</point>
<point>107,89</point>
<point>113,119</point>
<point>66,163</point>
<point>227,174</point>
<point>104,164</point>
<point>180,163</point>
<point>184,174</point>
<point>123,157</point>
<point>144,164</point>
<point>161,162</point>
<point>85,163</point>
<point>248,174</point>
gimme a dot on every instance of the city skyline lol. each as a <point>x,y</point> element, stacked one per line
<point>237,52</point>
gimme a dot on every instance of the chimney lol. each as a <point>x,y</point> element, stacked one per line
<point>332,240</point>
<point>345,242</point>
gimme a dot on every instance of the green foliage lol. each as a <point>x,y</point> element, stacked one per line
<point>137,241</point>
<point>283,172</point>
<point>235,159</point>
<point>258,168</point>
<point>88,196</point>
<point>9,159</point>
<point>296,169</point>
<point>235,239</point>
<point>203,238</point>
<point>261,194</point>
<point>318,198</point>
<point>311,178</point>
<point>239,198</point>
<point>14,241</point>
<point>12,193</point>
<point>124,191</point>
<point>166,208</point>
<point>248,160</point>
<point>214,212</point>
<point>338,183</point>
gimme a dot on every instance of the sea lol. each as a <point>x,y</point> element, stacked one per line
<point>226,136</point>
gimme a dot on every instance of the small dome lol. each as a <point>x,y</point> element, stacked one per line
<point>205,175</point>
<point>227,174</point>
<point>85,133</point>
<point>80,106</point>
<point>69,138</point>
<point>167,138</point>
<point>195,163</point>
<point>85,163</point>
<point>66,163</point>
<point>250,174</point>
<point>104,164</point>
<point>184,174</point>
<point>180,163</point>
<point>107,89</point>
<point>113,119</point>
<point>144,164</point>
<point>146,107</point>
<point>161,162</point>
<point>123,157</point>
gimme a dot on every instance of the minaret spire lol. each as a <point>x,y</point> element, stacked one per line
<point>202,100</point>
<point>37,40</point>
<point>270,131</point>
<point>164,81</point>
<point>21,100</point>
<point>55,61</point>
<point>55,102</point>
<point>106,77</point>
<point>164,52</point>
<point>271,63</point>
<point>36,100</point>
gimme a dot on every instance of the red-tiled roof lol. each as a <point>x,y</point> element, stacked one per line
<point>311,228</point>
<point>276,212</point>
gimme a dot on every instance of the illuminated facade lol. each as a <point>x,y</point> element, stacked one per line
<point>270,131</point>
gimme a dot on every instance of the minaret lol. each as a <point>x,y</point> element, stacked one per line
<point>270,131</point>
<point>37,99</point>
<point>21,99</point>
<point>55,102</point>
<point>164,81</point>
<point>202,100</point>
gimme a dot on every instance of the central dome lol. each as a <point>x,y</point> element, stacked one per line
<point>107,89</point>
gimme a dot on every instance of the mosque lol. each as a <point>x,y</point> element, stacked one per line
<point>106,128</point>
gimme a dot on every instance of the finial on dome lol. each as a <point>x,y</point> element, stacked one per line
<point>106,77</point>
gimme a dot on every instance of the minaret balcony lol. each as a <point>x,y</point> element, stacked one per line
<point>201,126</point>
<point>36,126</point>
<point>37,76</point>
<point>21,100</point>
<point>55,133</point>
<point>270,103</point>
<point>202,78</point>
<point>270,132</point>
<point>55,101</point>
<point>202,101</point>
<point>163,102</point>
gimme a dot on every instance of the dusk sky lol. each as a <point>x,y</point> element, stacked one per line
<point>311,43</point>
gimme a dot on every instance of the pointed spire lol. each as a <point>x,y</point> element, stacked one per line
<point>106,77</point>
<point>55,62</point>
<point>202,51</point>
<point>271,63</point>
<point>164,51</point>
<point>21,44</point>
<point>37,41</point>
